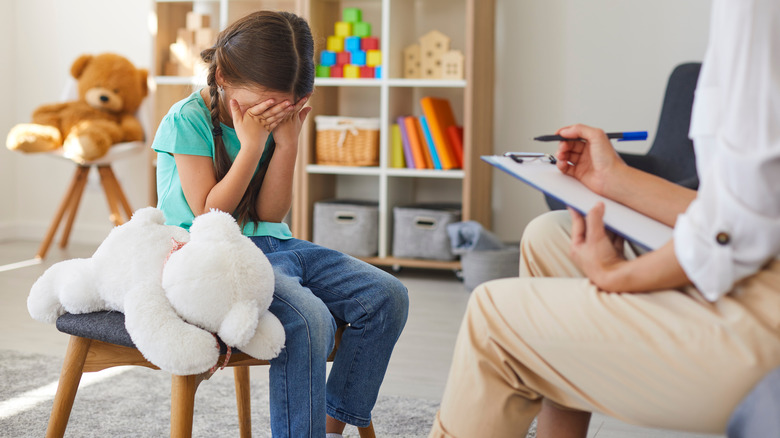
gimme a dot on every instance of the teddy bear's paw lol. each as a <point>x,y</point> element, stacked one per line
<point>65,286</point>
<point>86,146</point>
<point>31,137</point>
<point>268,340</point>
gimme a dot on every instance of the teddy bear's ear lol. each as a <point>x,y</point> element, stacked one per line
<point>79,65</point>
<point>143,75</point>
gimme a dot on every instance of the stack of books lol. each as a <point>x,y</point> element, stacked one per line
<point>431,141</point>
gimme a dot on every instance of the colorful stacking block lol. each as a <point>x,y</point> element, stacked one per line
<point>378,72</point>
<point>369,43</point>
<point>361,29</point>
<point>351,71</point>
<point>327,58</point>
<point>367,72</point>
<point>335,43</point>
<point>353,43</point>
<point>343,29</point>
<point>337,71</point>
<point>343,58</point>
<point>351,15</point>
<point>374,58</point>
<point>358,58</point>
<point>323,71</point>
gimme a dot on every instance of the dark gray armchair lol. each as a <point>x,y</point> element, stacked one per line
<point>671,155</point>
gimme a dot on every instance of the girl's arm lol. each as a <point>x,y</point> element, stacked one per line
<point>196,173</point>
<point>275,196</point>
<point>600,168</point>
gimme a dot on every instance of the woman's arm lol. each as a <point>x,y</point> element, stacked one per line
<point>603,263</point>
<point>600,168</point>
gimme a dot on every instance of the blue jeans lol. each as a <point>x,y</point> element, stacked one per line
<point>316,289</point>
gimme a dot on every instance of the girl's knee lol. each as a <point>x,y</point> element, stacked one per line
<point>396,302</point>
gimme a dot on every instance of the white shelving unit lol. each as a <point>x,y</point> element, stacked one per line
<point>399,23</point>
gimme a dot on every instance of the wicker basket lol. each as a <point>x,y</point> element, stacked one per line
<point>347,141</point>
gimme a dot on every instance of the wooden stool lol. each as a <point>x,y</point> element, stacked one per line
<point>99,341</point>
<point>113,191</point>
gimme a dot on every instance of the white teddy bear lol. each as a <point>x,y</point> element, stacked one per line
<point>218,282</point>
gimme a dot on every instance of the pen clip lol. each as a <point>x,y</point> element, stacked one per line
<point>521,157</point>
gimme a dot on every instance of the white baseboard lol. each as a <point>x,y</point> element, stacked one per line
<point>82,233</point>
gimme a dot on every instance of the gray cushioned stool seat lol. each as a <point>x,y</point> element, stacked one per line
<point>106,326</point>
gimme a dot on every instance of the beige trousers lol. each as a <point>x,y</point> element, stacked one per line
<point>667,359</point>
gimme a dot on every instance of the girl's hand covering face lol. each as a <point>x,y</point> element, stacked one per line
<point>255,123</point>
<point>288,130</point>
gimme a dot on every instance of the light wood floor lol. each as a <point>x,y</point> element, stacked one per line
<point>418,368</point>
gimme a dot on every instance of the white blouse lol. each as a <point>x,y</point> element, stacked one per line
<point>732,228</point>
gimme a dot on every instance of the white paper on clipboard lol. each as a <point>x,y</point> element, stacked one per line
<point>541,175</point>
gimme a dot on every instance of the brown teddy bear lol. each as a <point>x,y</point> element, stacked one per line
<point>110,91</point>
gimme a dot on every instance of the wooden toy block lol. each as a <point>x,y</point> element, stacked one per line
<point>204,38</point>
<point>185,37</point>
<point>412,62</point>
<point>358,58</point>
<point>452,65</point>
<point>351,15</point>
<point>327,58</point>
<point>432,46</point>
<point>367,72</point>
<point>351,71</point>
<point>337,71</point>
<point>378,72</point>
<point>369,43</point>
<point>373,58</point>
<point>197,21</point>
<point>343,29</point>
<point>361,29</point>
<point>353,43</point>
<point>323,71</point>
<point>343,58</point>
<point>335,43</point>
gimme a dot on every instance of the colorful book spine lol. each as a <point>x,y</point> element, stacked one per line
<point>397,148</point>
<point>409,158</point>
<point>415,142</point>
<point>455,134</point>
<point>429,141</point>
<point>439,114</point>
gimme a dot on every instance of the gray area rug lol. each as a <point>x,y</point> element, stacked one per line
<point>136,403</point>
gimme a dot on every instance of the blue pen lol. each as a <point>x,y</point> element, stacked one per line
<point>620,136</point>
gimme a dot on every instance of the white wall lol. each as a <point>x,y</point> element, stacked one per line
<point>7,76</point>
<point>602,62</point>
<point>47,36</point>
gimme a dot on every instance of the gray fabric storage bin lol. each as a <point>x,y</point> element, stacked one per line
<point>420,231</point>
<point>481,266</point>
<point>346,225</point>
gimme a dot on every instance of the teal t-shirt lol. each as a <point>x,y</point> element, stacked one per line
<point>186,129</point>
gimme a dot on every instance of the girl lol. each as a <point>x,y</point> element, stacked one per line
<point>232,146</point>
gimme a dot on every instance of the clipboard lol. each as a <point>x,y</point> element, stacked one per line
<point>644,231</point>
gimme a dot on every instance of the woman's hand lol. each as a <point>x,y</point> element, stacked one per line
<point>288,130</point>
<point>592,157</point>
<point>597,252</point>
<point>253,125</point>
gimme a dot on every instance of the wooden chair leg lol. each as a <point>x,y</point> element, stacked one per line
<point>367,432</point>
<point>81,174</point>
<point>70,377</point>
<point>243,402</point>
<point>111,196</point>
<point>73,209</point>
<point>120,194</point>
<point>182,405</point>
